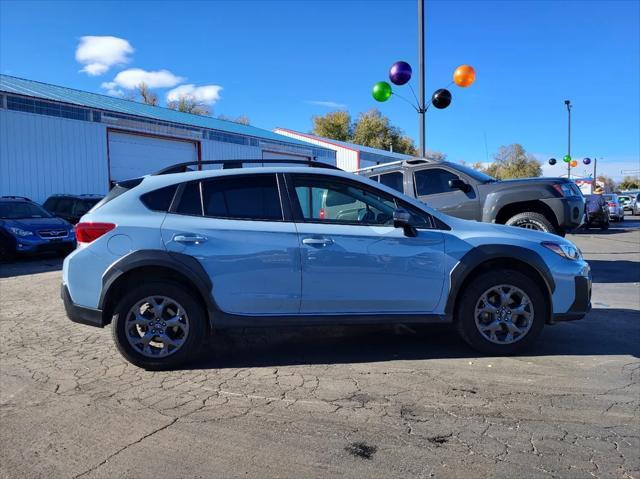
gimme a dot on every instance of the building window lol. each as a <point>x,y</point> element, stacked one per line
<point>38,107</point>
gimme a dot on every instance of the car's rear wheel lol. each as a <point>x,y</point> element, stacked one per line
<point>158,326</point>
<point>501,312</point>
<point>532,221</point>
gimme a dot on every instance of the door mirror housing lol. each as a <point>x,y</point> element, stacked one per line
<point>402,219</point>
<point>459,184</point>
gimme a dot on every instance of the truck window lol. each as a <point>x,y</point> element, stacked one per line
<point>433,181</point>
<point>393,180</point>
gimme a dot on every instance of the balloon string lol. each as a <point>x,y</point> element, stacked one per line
<point>414,94</point>
<point>408,101</point>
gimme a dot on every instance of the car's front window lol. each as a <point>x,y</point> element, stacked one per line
<point>331,201</point>
<point>433,181</point>
<point>19,210</point>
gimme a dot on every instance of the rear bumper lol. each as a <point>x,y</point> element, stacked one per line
<point>581,304</point>
<point>81,314</point>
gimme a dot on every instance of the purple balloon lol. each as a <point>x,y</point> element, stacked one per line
<point>586,161</point>
<point>400,73</point>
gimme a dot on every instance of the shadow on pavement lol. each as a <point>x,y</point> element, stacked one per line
<point>602,332</point>
<point>30,265</point>
<point>615,271</point>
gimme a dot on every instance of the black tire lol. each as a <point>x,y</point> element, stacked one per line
<point>621,218</point>
<point>191,341</point>
<point>604,226</point>
<point>531,220</point>
<point>465,312</point>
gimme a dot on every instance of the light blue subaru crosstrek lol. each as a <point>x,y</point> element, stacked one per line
<point>171,257</point>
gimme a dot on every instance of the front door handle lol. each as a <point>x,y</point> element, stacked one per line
<point>317,242</point>
<point>189,239</point>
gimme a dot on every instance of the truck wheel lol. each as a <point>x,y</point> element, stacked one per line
<point>158,326</point>
<point>532,221</point>
<point>501,312</point>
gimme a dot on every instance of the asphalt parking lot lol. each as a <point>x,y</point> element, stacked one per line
<point>326,402</point>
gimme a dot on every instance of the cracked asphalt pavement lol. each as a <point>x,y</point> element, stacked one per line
<point>325,402</point>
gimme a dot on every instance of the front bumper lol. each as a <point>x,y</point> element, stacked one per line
<point>81,314</point>
<point>569,211</point>
<point>27,246</point>
<point>581,304</point>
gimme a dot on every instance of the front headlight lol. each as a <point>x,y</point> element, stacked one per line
<point>20,232</point>
<point>564,250</point>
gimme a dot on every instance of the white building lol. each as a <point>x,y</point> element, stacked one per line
<point>59,140</point>
<point>349,156</point>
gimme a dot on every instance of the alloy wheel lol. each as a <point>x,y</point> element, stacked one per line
<point>157,326</point>
<point>504,314</point>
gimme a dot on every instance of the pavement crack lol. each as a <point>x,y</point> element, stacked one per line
<point>111,456</point>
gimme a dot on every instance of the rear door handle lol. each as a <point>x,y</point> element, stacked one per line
<point>189,239</point>
<point>317,242</point>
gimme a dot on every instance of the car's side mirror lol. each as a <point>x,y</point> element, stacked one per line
<point>402,219</point>
<point>458,184</point>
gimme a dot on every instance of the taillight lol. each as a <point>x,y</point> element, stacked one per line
<point>611,204</point>
<point>88,232</point>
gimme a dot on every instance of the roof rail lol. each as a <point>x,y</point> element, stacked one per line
<point>237,163</point>
<point>12,197</point>
<point>417,161</point>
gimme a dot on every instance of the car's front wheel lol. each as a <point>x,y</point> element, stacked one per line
<point>158,326</point>
<point>501,312</point>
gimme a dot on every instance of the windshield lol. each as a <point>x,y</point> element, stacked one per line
<point>10,210</point>
<point>475,174</point>
<point>608,197</point>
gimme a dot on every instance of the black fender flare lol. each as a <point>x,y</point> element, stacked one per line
<point>481,254</point>
<point>186,265</point>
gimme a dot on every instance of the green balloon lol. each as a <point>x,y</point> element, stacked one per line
<point>566,159</point>
<point>381,91</point>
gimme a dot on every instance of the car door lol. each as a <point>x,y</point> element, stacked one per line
<point>235,226</point>
<point>353,259</point>
<point>432,187</point>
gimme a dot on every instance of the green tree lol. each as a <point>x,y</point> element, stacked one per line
<point>513,161</point>
<point>335,125</point>
<point>375,130</point>
<point>187,104</point>
<point>629,183</point>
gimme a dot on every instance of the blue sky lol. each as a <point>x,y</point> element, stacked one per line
<point>274,59</point>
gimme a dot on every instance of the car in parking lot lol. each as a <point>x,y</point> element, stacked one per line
<point>171,257</point>
<point>635,204</point>
<point>71,207</point>
<point>26,228</point>
<point>625,201</point>
<point>616,211</point>
<point>552,205</point>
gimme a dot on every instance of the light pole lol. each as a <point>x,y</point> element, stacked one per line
<point>421,109</point>
<point>568,103</point>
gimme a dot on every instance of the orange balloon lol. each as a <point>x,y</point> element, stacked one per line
<point>574,163</point>
<point>464,76</point>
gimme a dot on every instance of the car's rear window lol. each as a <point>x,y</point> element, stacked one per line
<point>160,199</point>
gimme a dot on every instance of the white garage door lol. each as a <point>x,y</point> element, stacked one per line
<point>131,156</point>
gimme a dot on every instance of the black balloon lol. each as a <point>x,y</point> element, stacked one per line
<point>441,98</point>
<point>552,161</point>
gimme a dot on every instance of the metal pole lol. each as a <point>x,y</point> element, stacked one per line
<point>568,103</point>
<point>595,169</point>
<point>421,109</point>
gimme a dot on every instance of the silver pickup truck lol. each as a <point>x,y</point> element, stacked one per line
<point>554,205</point>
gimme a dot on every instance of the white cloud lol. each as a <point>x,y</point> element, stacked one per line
<point>98,54</point>
<point>328,104</point>
<point>132,77</point>
<point>208,94</point>
<point>112,88</point>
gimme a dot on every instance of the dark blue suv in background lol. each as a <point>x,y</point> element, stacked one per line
<point>26,227</point>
